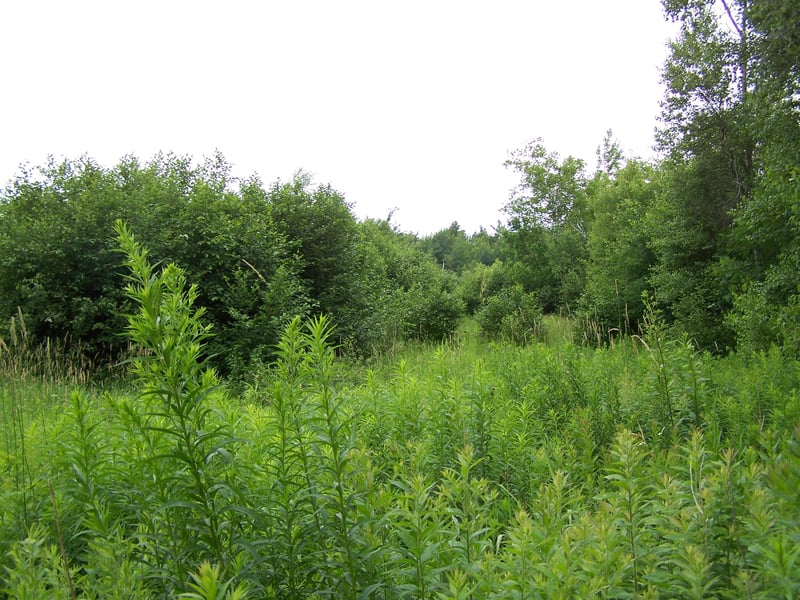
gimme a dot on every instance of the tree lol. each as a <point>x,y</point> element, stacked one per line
<point>619,256</point>
<point>731,130</point>
<point>763,263</point>
<point>707,108</point>
<point>545,237</point>
<point>707,135</point>
<point>57,266</point>
<point>484,246</point>
<point>610,158</point>
<point>551,193</point>
<point>480,282</point>
<point>775,39</point>
<point>450,247</point>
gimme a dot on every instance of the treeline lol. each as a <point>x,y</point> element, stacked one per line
<point>261,255</point>
<point>708,233</point>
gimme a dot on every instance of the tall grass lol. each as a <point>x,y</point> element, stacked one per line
<point>57,361</point>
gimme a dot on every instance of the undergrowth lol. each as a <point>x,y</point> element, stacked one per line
<point>466,470</point>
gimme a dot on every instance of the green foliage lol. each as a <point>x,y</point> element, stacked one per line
<point>545,241</point>
<point>412,298</point>
<point>432,312</point>
<point>263,256</point>
<point>455,251</point>
<point>619,259</point>
<point>776,37</point>
<point>552,192</point>
<point>321,229</point>
<point>417,519</point>
<point>207,586</point>
<point>526,467</point>
<point>175,386</point>
<point>685,227</point>
<point>58,268</point>
<point>766,233</point>
<point>455,471</point>
<point>36,570</point>
<point>60,271</point>
<point>511,315</point>
<point>723,232</point>
<point>450,247</point>
<point>480,282</point>
<point>710,229</point>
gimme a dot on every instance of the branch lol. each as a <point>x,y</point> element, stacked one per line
<point>730,16</point>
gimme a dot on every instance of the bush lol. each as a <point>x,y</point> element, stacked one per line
<point>59,269</point>
<point>759,322</point>
<point>410,296</point>
<point>481,281</point>
<point>511,315</point>
<point>260,256</point>
<point>433,310</point>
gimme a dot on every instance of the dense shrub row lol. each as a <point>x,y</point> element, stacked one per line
<point>264,255</point>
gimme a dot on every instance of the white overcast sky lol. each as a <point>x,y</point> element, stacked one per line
<point>412,105</point>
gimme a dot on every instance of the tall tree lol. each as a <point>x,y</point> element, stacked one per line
<point>776,43</point>
<point>707,134</point>
<point>765,240</point>
<point>707,107</point>
<point>548,221</point>
<point>730,127</point>
<point>610,158</point>
<point>551,192</point>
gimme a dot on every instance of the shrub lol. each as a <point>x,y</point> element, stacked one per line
<point>480,282</point>
<point>511,315</point>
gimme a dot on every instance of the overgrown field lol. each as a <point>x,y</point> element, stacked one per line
<point>464,470</point>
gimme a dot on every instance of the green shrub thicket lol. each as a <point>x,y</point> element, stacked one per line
<point>642,469</point>
<point>263,254</point>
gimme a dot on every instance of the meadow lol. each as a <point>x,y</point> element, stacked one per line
<point>466,469</point>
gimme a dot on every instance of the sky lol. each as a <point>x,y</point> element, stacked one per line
<point>405,107</point>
